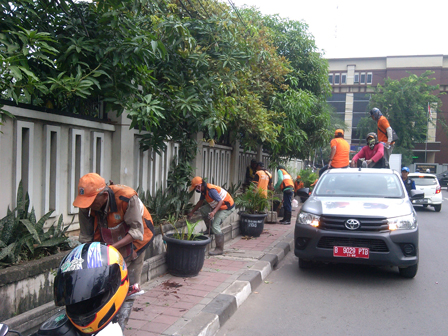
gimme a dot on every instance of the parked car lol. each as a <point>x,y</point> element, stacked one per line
<point>361,216</point>
<point>429,184</point>
<point>443,179</point>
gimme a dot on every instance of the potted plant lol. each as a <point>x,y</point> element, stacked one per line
<point>185,251</point>
<point>255,205</point>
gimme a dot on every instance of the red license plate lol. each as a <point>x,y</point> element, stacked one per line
<point>351,252</point>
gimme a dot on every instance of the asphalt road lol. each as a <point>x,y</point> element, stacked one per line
<point>352,299</point>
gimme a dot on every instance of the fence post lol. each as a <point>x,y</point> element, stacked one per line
<point>122,169</point>
<point>197,162</point>
<point>234,162</point>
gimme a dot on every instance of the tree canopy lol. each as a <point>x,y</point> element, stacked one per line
<point>405,104</point>
<point>176,67</point>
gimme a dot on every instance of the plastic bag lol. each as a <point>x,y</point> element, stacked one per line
<point>295,203</point>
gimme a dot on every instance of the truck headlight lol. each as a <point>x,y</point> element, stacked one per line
<point>309,219</point>
<point>408,222</point>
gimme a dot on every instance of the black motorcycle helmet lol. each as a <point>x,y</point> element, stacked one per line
<point>371,139</point>
<point>375,113</point>
<point>92,282</point>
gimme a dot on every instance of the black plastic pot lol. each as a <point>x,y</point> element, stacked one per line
<point>185,258</point>
<point>252,224</point>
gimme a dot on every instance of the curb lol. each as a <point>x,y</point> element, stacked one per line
<point>222,307</point>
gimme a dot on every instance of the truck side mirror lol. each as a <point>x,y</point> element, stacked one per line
<point>303,193</point>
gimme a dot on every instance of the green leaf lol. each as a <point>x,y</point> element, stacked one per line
<point>29,73</point>
<point>32,217</point>
<point>30,244</point>
<point>31,229</point>
<point>42,220</point>
<point>7,251</point>
<point>16,72</point>
<point>53,242</point>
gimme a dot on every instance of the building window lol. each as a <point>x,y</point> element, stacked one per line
<point>330,78</point>
<point>369,78</point>
<point>363,78</point>
<point>337,78</point>
<point>344,79</point>
<point>356,81</point>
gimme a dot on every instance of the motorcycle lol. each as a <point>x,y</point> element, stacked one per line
<point>92,283</point>
<point>59,324</point>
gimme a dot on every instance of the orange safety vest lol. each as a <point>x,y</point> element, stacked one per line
<point>228,200</point>
<point>263,181</point>
<point>118,204</point>
<point>287,180</point>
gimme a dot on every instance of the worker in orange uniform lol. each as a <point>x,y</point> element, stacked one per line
<point>218,207</point>
<point>115,215</point>
<point>286,185</point>
<point>298,184</point>
<point>339,155</point>
<point>263,179</point>
<point>384,133</point>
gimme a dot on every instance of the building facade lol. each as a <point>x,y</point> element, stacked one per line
<point>353,79</point>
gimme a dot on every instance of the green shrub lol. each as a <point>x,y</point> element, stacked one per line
<point>22,237</point>
<point>160,205</point>
<point>253,200</point>
<point>308,177</point>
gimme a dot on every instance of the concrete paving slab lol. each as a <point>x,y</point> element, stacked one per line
<point>204,324</point>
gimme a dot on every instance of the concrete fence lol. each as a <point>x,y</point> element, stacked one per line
<point>49,153</point>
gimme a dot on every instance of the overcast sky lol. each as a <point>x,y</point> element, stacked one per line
<point>362,28</point>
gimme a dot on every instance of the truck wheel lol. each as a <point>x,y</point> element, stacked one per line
<point>408,272</point>
<point>438,207</point>
<point>305,264</point>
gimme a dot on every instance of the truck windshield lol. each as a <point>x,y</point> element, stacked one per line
<point>360,185</point>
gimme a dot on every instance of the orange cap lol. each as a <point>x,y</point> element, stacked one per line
<point>89,186</point>
<point>298,176</point>
<point>339,131</point>
<point>197,180</point>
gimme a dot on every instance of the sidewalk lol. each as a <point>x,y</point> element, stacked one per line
<point>200,305</point>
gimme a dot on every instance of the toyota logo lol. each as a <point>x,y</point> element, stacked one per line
<point>352,224</point>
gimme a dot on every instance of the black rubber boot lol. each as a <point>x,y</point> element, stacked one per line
<point>287,219</point>
<point>219,249</point>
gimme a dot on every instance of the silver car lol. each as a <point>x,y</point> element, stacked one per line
<point>362,216</point>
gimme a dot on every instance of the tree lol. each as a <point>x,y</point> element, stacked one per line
<point>176,67</point>
<point>299,103</point>
<point>404,103</point>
